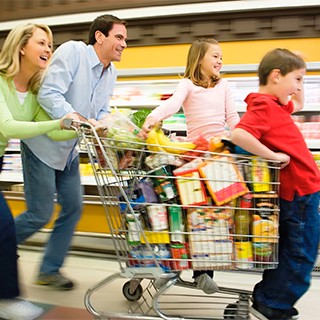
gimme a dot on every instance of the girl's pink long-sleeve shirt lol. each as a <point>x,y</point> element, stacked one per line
<point>207,110</point>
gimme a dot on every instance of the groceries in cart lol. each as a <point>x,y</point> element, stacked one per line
<point>184,205</point>
<point>206,210</point>
<point>123,133</point>
<point>203,204</point>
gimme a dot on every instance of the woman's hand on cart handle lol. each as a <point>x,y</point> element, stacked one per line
<point>66,122</point>
<point>79,121</point>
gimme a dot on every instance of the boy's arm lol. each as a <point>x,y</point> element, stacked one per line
<point>248,142</point>
<point>298,100</point>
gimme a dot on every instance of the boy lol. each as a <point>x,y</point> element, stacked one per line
<point>267,130</point>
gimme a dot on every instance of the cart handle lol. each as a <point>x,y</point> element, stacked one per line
<point>75,124</point>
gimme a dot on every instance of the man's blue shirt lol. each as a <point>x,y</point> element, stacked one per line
<point>75,81</point>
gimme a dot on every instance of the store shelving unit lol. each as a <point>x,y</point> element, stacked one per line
<point>131,95</point>
<point>136,94</point>
<point>149,93</point>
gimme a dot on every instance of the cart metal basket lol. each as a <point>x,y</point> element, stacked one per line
<point>169,212</point>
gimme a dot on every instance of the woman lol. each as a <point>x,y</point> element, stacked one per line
<point>23,58</point>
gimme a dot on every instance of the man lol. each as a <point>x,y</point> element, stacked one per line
<point>80,79</point>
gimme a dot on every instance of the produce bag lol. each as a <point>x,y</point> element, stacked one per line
<point>122,132</point>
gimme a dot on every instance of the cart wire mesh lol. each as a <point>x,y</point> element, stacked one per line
<point>169,212</point>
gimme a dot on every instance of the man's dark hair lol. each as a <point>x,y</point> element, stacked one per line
<point>104,24</point>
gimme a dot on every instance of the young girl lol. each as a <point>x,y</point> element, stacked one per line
<point>205,97</point>
<point>208,105</point>
<point>268,131</point>
<point>24,55</point>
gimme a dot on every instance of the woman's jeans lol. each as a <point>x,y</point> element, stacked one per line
<point>41,183</point>
<point>298,247</point>
<point>9,287</point>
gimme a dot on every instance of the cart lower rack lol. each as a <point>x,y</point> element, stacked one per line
<point>182,210</point>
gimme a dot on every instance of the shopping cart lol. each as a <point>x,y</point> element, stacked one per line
<point>170,212</point>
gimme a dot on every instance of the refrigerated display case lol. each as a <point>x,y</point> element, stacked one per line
<point>130,96</point>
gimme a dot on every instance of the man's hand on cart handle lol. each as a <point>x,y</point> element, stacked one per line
<point>80,117</point>
<point>100,126</point>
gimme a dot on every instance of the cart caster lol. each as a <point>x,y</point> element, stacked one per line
<point>132,296</point>
<point>231,313</point>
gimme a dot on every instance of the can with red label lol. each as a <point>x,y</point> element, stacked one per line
<point>180,256</point>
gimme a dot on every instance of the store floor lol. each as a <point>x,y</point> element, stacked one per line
<point>87,271</point>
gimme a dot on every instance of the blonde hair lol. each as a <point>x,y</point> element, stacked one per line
<point>17,38</point>
<point>196,53</point>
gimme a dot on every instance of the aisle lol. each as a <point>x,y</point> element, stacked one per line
<point>61,313</point>
<point>87,271</point>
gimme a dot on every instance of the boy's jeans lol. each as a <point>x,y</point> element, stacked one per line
<point>298,247</point>
<point>41,184</point>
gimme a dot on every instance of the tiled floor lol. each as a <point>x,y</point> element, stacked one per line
<point>87,271</point>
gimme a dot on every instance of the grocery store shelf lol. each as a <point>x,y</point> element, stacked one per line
<point>150,93</point>
<point>179,70</point>
<point>10,176</point>
<point>313,144</point>
<point>174,10</point>
<point>16,177</point>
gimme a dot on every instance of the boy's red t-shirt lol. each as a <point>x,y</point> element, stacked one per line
<point>271,123</point>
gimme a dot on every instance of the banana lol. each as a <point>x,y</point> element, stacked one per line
<point>152,141</point>
<point>176,147</point>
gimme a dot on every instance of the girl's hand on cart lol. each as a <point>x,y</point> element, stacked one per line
<point>148,125</point>
<point>67,122</point>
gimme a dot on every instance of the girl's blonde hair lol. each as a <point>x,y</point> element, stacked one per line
<point>196,53</point>
<point>17,38</point>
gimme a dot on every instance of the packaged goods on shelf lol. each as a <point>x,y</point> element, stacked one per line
<point>310,130</point>
<point>316,157</point>
<point>12,162</point>
<point>14,144</point>
<point>17,187</point>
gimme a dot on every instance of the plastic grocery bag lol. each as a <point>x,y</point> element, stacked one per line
<point>122,132</point>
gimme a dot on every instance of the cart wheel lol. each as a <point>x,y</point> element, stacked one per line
<point>135,296</point>
<point>230,312</point>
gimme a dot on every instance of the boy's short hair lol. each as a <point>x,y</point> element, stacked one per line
<point>282,59</point>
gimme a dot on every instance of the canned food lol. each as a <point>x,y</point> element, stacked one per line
<point>163,184</point>
<point>179,256</point>
<point>158,217</point>
<point>134,227</point>
<point>244,255</point>
<point>176,224</point>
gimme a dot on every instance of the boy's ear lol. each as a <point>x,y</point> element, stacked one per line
<point>275,75</point>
